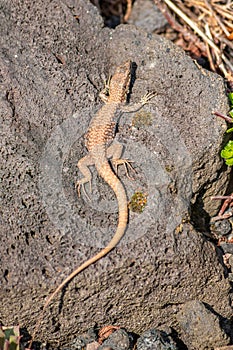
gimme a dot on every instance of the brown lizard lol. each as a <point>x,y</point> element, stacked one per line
<point>98,141</point>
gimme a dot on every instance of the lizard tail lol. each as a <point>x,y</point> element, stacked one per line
<point>112,180</point>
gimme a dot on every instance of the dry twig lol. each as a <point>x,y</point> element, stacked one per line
<point>211,21</point>
<point>128,11</point>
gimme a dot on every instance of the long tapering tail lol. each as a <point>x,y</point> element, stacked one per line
<point>112,180</point>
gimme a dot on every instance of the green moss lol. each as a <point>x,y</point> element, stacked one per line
<point>142,118</point>
<point>138,202</point>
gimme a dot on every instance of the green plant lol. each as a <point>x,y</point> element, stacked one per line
<point>9,338</point>
<point>227,152</point>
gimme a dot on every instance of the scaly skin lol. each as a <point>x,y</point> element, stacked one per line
<point>98,141</point>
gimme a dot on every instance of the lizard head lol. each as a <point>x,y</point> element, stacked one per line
<point>119,84</point>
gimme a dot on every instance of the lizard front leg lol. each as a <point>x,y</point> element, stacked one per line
<point>83,165</point>
<point>134,107</point>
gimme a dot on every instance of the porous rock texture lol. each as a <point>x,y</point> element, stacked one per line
<point>55,57</point>
<point>201,326</point>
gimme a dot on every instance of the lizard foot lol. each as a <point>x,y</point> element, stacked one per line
<point>147,97</point>
<point>104,93</point>
<point>79,185</point>
<point>127,166</point>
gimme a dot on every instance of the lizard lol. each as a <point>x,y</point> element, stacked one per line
<point>98,141</point>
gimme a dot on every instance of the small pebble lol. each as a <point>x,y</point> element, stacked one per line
<point>227,247</point>
<point>93,346</point>
<point>119,340</point>
<point>221,228</point>
<point>155,339</point>
<point>81,342</point>
<point>201,327</point>
<point>230,277</point>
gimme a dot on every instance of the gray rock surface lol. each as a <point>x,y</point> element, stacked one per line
<point>54,59</point>
<point>201,327</point>
<point>147,16</point>
<point>84,341</point>
<point>118,340</point>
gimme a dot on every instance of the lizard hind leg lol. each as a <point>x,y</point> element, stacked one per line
<point>83,164</point>
<point>127,166</point>
<point>115,151</point>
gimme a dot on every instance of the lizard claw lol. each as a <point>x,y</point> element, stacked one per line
<point>104,94</point>
<point>80,185</point>
<point>147,97</point>
<point>126,163</point>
